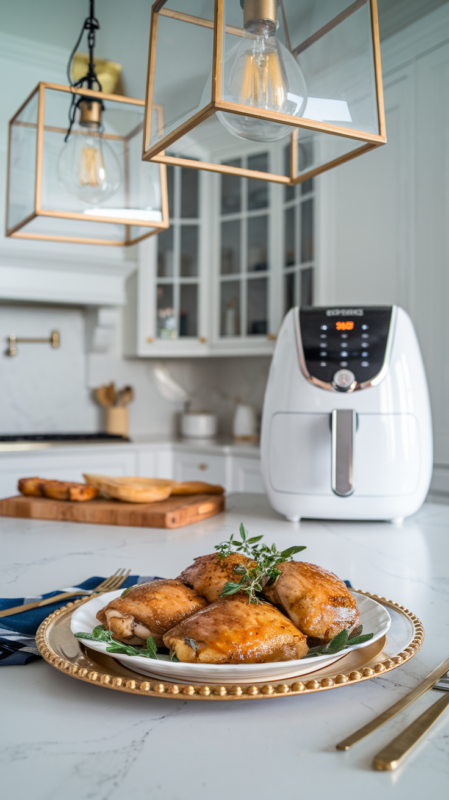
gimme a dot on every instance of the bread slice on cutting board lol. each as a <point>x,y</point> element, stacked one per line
<point>131,489</point>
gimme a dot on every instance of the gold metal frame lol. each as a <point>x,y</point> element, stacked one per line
<point>156,152</point>
<point>55,642</point>
<point>18,232</point>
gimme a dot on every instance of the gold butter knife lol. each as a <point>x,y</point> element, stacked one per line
<point>391,712</point>
<point>394,753</point>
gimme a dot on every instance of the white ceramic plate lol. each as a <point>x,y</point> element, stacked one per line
<point>374,618</point>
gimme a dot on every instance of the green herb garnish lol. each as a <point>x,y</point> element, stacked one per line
<point>341,641</point>
<point>174,657</point>
<point>125,591</point>
<point>263,572</point>
<point>191,643</point>
<point>99,634</point>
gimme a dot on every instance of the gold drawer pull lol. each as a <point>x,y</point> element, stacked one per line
<point>202,467</point>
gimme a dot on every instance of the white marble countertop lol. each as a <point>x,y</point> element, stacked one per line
<point>220,446</point>
<point>64,738</point>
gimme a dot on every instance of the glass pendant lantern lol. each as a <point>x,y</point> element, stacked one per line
<point>303,73</point>
<point>86,183</point>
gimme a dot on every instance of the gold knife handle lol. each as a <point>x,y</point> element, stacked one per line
<point>391,712</point>
<point>394,753</point>
<point>9,612</point>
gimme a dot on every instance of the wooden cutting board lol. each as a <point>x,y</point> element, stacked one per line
<point>175,512</point>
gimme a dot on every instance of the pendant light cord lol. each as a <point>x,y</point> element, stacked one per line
<point>91,25</point>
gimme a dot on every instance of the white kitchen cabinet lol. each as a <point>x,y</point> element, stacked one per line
<point>156,462</point>
<point>246,475</point>
<point>198,465</point>
<point>238,255</point>
<point>221,464</point>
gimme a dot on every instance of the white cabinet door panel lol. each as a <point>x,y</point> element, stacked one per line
<point>246,475</point>
<point>197,466</point>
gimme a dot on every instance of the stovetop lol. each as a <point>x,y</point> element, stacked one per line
<point>25,441</point>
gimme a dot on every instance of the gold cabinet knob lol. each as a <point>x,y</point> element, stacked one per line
<point>202,467</point>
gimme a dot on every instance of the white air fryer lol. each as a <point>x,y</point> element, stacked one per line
<point>346,427</point>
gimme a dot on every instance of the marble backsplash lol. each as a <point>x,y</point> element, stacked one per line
<point>50,390</point>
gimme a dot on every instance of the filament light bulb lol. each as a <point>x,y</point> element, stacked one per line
<point>259,72</point>
<point>88,167</point>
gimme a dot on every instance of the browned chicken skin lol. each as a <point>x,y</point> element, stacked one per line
<point>317,602</point>
<point>234,631</point>
<point>209,574</point>
<point>149,609</point>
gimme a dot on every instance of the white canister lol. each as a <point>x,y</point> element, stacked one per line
<point>198,425</point>
<point>244,426</point>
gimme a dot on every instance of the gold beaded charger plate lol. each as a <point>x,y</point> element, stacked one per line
<point>58,647</point>
<point>373,616</point>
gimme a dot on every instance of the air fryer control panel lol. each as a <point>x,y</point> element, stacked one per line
<point>344,344</point>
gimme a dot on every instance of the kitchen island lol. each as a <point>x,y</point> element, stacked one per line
<point>65,738</point>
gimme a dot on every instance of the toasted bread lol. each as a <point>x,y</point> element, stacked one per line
<point>30,486</point>
<point>67,490</point>
<point>196,487</point>
<point>131,489</point>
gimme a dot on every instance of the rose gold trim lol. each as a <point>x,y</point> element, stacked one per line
<point>89,218</point>
<point>221,168</point>
<point>8,172</point>
<point>288,43</point>
<point>335,163</point>
<point>204,23</point>
<point>217,56</point>
<point>298,122</point>
<point>294,157</point>
<point>39,148</point>
<point>70,239</point>
<point>378,70</point>
<point>154,226</point>
<point>355,387</point>
<point>328,27</point>
<point>25,103</point>
<point>29,218</point>
<point>200,116</point>
<point>59,87</point>
<point>54,129</point>
<point>148,116</point>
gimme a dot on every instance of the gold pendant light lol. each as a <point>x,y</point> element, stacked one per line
<point>264,71</point>
<point>85,184</point>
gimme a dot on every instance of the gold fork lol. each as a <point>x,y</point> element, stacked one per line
<point>109,585</point>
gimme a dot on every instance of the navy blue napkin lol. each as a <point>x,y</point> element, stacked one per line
<point>18,633</point>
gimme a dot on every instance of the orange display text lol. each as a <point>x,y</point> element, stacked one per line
<point>344,326</point>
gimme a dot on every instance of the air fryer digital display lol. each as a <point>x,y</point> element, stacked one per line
<point>353,339</point>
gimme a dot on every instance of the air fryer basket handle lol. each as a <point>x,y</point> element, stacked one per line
<point>343,427</point>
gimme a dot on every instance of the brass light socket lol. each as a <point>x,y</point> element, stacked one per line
<point>259,10</point>
<point>90,113</point>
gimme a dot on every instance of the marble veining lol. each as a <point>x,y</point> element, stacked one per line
<point>61,737</point>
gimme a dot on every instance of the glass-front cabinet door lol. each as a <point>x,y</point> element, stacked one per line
<point>239,253</point>
<point>244,252</point>
<point>298,245</point>
<point>172,283</point>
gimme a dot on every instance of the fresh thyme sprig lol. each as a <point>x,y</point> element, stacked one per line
<point>99,634</point>
<point>341,641</point>
<point>264,569</point>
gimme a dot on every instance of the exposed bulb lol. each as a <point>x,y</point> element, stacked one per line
<point>260,72</point>
<point>89,168</point>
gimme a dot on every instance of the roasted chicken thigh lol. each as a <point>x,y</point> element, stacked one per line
<point>149,609</point>
<point>234,631</point>
<point>209,574</point>
<point>317,602</point>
